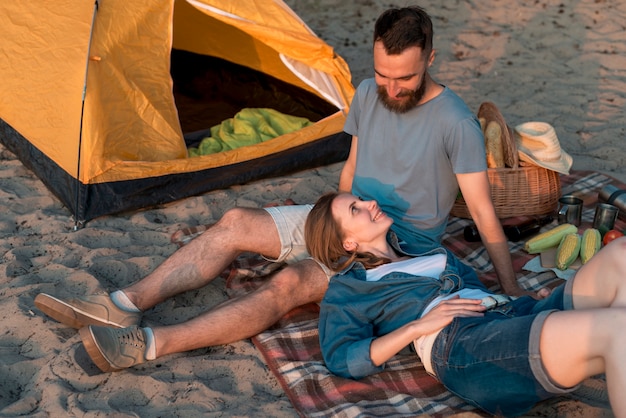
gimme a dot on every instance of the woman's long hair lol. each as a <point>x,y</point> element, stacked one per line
<point>324,239</point>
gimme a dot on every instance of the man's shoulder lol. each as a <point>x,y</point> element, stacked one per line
<point>449,109</point>
<point>455,103</point>
<point>367,85</point>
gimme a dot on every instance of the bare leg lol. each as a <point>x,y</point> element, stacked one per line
<point>204,258</point>
<point>590,340</point>
<point>296,285</point>
<point>602,281</point>
<point>582,343</point>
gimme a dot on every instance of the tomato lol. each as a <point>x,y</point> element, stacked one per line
<point>611,235</point>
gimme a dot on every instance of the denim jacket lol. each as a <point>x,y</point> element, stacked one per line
<point>354,311</point>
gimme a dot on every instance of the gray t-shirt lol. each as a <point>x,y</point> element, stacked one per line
<point>407,162</point>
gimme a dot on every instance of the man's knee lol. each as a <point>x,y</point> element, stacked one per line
<point>239,219</point>
<point>247,225</point>
<point>246,229</point>
<point>304,282</point>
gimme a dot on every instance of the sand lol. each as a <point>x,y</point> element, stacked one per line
<point>561,62</point>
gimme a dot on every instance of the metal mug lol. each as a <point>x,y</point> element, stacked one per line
<point>605,217</point>
<point>614,196</point>
<point>570,210</point>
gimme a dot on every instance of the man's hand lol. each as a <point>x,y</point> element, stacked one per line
<point>542,293</point>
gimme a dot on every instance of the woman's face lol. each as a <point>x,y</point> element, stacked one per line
<point>363,222</point>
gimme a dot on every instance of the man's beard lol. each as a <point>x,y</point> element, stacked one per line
<point>412,98</point>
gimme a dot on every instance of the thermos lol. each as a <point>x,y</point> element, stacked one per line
<point>519,232</point>
<point>512,232</point>
<point>614,196</point>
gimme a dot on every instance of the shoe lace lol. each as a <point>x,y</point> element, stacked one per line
<point>133,337</point>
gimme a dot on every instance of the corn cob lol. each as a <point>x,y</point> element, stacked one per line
<point>548,239</point>
<point>590,244</point>
<point>568,251</point>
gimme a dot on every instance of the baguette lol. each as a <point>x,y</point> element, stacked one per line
<point>494,145</point>
<point>488,113</point>
<point>483,124</point>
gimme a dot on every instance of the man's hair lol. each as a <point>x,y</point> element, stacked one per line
<point>399,29</point>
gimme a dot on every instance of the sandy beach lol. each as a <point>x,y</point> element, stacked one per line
<point>561,62</point>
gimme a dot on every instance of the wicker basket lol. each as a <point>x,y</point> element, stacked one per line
<point>528,190</point>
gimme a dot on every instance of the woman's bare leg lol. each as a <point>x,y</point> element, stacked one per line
<point>602,281</point>
<point>590,340</point>
<point>579,344</point>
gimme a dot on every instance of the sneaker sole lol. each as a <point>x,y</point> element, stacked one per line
<point>68,314</point>
<point>94,352</point>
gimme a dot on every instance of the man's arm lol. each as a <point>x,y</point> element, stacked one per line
<point>476,193</point>
<point>347,172</point>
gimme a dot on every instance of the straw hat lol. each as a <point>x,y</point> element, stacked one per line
<point>538,144</point>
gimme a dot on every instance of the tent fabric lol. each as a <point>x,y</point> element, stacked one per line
<point>96,97</point>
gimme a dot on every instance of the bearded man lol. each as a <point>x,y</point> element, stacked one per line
<point>415,143</point>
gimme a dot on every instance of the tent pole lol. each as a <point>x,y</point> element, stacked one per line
<point>79,223</point>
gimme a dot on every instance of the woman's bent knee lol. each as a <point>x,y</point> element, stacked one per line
<point>617,252</point>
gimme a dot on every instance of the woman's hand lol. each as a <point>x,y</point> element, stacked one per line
<point>387,346</point>
<point>446,311</point>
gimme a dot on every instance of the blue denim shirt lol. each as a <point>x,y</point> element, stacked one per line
<point>354,311</point>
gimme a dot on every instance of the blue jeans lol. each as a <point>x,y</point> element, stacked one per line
<point>493,362</point>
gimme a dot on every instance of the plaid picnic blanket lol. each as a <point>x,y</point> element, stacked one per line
<point>291,347</point>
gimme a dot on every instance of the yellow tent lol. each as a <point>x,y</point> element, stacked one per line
<point>102,99</point>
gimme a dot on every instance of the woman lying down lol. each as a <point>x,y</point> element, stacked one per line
<point>500,355</point>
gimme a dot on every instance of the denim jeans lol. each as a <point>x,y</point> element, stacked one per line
<point>493,362</point>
